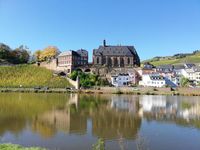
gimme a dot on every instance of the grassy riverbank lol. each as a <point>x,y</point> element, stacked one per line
<point>17,147</point>
<point>29,76</point>
<point>111,90</point>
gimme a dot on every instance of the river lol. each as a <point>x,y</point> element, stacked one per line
<point>123,122</point>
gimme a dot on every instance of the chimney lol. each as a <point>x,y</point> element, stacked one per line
<point>104,43</point>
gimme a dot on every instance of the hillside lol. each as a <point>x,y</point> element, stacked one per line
<point>176,59</point>
<point>29,76</point>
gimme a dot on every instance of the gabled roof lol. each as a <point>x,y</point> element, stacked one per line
<point>82,52</point>
<point>165,67</point>
<point>189,65</point>
<point>115,51</point>
<point>179,67</point>
<point>69,52</point>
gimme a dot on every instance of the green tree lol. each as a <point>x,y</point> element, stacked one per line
<point>4,51</point>
<point>88,79</point>
<point>184,82</point>
<point>20,55</point>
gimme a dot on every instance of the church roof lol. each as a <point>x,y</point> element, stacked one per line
<point>115,51</point>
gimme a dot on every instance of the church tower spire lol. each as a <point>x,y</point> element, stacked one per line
<point>104,43</point>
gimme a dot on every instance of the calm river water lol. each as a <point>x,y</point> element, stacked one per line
<point>124,122</point>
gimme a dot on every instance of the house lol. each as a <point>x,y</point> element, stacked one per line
<point>146,69</point>
<point>172,80</point>
<point>148,66</point>
<point>152,80</point>
<point>84,56</point>
<point>115,56</point>
<point>193,74</point>
<point>121,80</point>
<point>67,61</point>
<point>178,69</point>
<point>134,75</point>
<point>165,68</point>
<point>187,66</point>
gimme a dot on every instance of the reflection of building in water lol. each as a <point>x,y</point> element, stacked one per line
<point>110,124</point>
<point>61,120</point>
<point>157,104</point>
<point>125,102</point>
<point>191,111</point>
<point>176,109</point>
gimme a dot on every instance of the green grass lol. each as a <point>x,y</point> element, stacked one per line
<point>188,59</point>
<point>17,147</point>
<point>29,76</point>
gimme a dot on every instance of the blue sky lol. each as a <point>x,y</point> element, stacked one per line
<point>154,27</point>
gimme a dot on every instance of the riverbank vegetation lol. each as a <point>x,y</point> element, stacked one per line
<point>17,147</point>
<point>29,76</point>
<point>88,79</point>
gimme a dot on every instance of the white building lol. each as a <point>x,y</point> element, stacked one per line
<point>193,74</point>
<point>152,80</point>
<point>121,80</point>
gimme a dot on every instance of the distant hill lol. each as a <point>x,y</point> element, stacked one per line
<point>181,58</point>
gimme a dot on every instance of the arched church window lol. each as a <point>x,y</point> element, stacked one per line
<point>128,61</point>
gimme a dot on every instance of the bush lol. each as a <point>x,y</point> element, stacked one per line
<point>88,79</point>
<point>184,82</point>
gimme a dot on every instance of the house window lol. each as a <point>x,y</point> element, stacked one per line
<point>97,60</point>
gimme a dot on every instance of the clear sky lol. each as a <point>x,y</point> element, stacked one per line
<point>154,27</point>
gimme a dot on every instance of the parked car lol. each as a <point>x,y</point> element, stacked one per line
<point>37,88</point>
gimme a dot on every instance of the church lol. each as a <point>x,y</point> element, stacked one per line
<point>115,56</point>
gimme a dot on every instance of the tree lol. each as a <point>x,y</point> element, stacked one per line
<point>49,53</point>
<point>184,82</point>
<point>88,79</point>
<point>37,55</point>
<point>20,55</point>
<point>4,51</point>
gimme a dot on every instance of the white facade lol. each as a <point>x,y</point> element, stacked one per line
<point>121,80</point>
<point>193,74</point>
<point>152,81</point>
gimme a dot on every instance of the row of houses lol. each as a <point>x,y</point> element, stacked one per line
<point>160,76</point>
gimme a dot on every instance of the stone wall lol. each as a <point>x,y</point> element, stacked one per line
<point>52,65</point>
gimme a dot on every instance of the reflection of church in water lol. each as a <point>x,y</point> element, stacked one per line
<point>110,119</point>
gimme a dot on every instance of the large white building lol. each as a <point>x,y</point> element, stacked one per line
<point>121,80</point>
<point>152,80</point>
<point>193,74</point>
